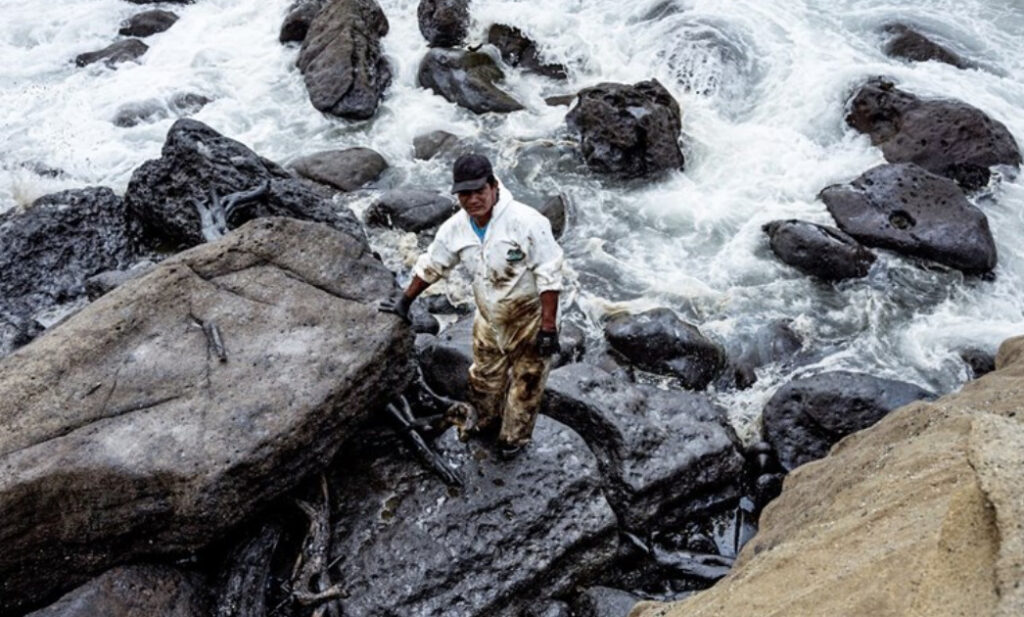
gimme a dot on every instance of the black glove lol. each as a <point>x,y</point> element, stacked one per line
<point>399,306</point>
<point>547,342</point>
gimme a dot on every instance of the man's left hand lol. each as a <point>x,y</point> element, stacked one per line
<point>547,342</point>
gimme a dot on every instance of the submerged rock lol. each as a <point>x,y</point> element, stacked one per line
<point>805,417</point>
<point>946,137</point>
<point>914,46</point>
<point>466,78</point>
<point>121,51</point>
<point>345,170</point>
<point>909,210</point>
<point>130,591</point>
<point>818,250</point>
<point>147,23</point>
<point>179,404</point>
<point>628,130</point>
<point>444,23</point>
<point>411,210</point>
<point>771,343</point>
<point>180,105</point>
<point>429,145</point>
<point>342,60</point>
<point>518,50</point>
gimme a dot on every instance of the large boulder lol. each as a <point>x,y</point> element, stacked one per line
<point>628,130</point>
<point>911,211</point>
<point>342,59</point>
<point>133,591</point>
<point>444,23</point>
<point>466,78</point>
<point>517,49</point>
<point>411,209</point>
<point>296,23</point>
<point>946,137</point>
<point>122,51</point>
<point>662,452</point>
<point>909,44</point>
<point>147,23</point>
<point>179,404</point>
<point>660,342</point>
<point>518,530</point>
<point>345,170</point>
<point>918,515</point>
<point>805,417</point>
<point>818,250</point>
<point>171,195</point>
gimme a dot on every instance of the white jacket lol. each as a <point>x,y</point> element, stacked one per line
<point>517,260</point>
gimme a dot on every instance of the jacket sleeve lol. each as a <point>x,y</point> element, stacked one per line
<point>546,256</point>
<point>438,259</point>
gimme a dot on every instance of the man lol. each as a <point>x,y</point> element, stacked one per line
<point>516,267</point>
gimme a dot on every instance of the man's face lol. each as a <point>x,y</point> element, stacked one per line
<point>479,202</point>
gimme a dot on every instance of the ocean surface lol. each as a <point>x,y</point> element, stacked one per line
<point>762,84</point>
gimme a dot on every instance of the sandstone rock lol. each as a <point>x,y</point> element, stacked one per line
<point>946,137</point>
<point>805,417</point>
<point>296,23</point>
<point>628,130</point>
<point>147,23</point>
<point>466,78</point>
<point>918,515</point>
<point>914,46</point>
<point>342,60</point>
<point>168,195</point>
<point>345,170</point>
<point>131,591</point>
<point>818,250</point>
<point>411,210</point>
<point>179,404</point>
<point>906,209</point>
<point>429,145</point>
<point>444,23</point>
<point>121,51</point>
<point>658,341</point>
<point>518,50</point>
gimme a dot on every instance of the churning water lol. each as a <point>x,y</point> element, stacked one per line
<point>762,85</point>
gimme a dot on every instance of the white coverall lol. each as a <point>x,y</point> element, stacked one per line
<point>516,261</point>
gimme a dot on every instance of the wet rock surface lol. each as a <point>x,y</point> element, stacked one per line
<point>628,130</point>
<point>345,170</point>
<point>116,53</point>
<point>192,397</point>
<point>818,250</point>
<point>774,342</point>
<point>132,591</point>
<point>296,23</point>
<point>946,137</point>
<point>466,78</point>
<point>805,417</point>
<point>444,23</point>
<point>147,23</point>
<point>554,209</point>
<point>171,195</point>
<point>911,211</point>
<point>411,209</point>
<point>660,342</point>
<point>519,50</point>
<point>342,60</point>
<point>604,602</point>
<point>909,44</point>
<point>151,110</point>
<point>445,359</point>
<point>429,145</point>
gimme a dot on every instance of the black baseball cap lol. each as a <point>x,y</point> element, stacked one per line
<point>470,172</point>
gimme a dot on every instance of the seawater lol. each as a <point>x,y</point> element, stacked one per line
<point>762,85</point>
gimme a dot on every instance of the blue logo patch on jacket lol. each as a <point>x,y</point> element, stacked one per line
<point>515,254</point>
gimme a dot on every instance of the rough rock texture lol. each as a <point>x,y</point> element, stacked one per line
<point>296,23</point>
<point>518,50</point>
<point>345,170</point>
<point>628,130</point>
<point>133,591</point>
<point>444,23</point>
<point>147,23</point>
<point>466,78</point>
<point>805,417</point>
<point>818,250</point>
<point>660,451</point>
<point>911,211</point>
<point>151,110</point>
<point>604,602</point>
<point>946,137</point>
<point>914,46</point>
<point>411,210</point>
<point>918,515</point>
<point>106,281</point>
<point>660,342</point>
<point>517,530</point>
<point>121,51</point>
<point>180,403</point>
<point>167,194</point>
<point>429,145</point>
<point>342,59</point>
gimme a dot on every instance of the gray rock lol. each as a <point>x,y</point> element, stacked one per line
<point>981,362</point>
<point>628,130</point>
<point>805,417</point>
<point>660,342</point>
<point>179,404</point>
<point>195,160</point>
<point>161,1</point>
<point>604,602</point>
<point>519,50</point>
<point>572,344</point>
<point>121,51</point>
<point>554,209</point>
<point>548,608</point>
<point>774,342</point>
<point>152,110</point>
<point>946,137</point>
<point>147,23</point>
<point>444,23</point>
<point>411,210</point>
<point>517,530</point>
<point>818,250</point>
<point>133,591</point>
<point>104,282</point>
<point>661,452</point>
<point>914,46</point>
<point>446,358</point>
<point>342,60</point>
<point>909,210</point>
<point>429,145</point>
<point>466,78</point>
<point>345,170</point>
<point>300,15</point>
<point>560,100</point>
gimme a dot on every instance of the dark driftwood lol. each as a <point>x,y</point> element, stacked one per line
<point>214,216</point>
<point>243,592</point>
<point>407,426</point>
<point>311,583</point>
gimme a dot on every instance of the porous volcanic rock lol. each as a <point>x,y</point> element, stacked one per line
<point>466,78</point>
<point>342,60</point>
<point>909,44</point>
<point>130,591</point>
<point>444,23</point>
<point>818,250</point>
<point>628,130</point>
<point>946,137</point>
<point>411,209</point>
<point>345,170</point>
<point>121,51</point>
<point>911,211</point>
<point>147,23</point>
<point>519,50</point>
<point>181,403</point>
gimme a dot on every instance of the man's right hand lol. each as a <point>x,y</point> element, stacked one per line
<point>399,306</point>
